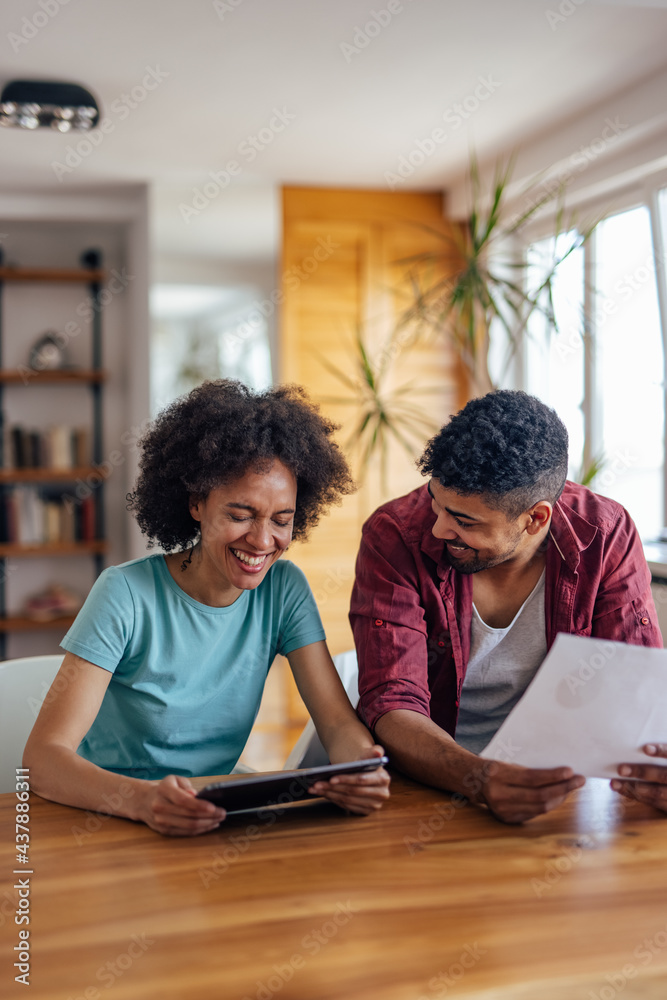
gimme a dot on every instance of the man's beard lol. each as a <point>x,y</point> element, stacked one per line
<point>475,564</point>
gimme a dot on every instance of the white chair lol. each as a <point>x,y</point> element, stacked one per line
<point>308,750</point>
<point>23,686</point>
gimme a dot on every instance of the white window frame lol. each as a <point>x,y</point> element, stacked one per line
<point>613,203</point>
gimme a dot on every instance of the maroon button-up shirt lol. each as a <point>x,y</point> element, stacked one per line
<point>411,611</point>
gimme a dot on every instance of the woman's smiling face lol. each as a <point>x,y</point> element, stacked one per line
<point>246,525</point>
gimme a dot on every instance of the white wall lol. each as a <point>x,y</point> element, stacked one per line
<point>604,153</point>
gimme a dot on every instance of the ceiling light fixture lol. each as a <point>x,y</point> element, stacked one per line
<point>33,104</point>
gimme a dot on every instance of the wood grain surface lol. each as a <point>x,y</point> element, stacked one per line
<point>429,898</point>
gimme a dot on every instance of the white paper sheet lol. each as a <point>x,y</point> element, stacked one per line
<point>591,706</point>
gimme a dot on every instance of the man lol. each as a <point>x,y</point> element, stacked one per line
<point>462,587</point>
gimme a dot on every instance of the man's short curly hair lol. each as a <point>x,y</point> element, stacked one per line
<point>218,432</point>
<point>507,447</point>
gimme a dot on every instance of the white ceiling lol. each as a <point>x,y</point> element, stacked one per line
<point>228,65</point>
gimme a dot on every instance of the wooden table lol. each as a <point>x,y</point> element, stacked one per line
<point>423,900</point>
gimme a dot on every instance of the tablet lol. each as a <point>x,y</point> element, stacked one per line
<point>261,790</point>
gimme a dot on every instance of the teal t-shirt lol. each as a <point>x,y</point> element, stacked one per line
<point>187,678</point>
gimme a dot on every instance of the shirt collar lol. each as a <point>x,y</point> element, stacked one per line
<point>431,546</point>
<point>570,532</point>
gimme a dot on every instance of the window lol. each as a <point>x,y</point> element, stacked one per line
<point>554,365</point>
<point>605,377</point>
<point>630,368</point>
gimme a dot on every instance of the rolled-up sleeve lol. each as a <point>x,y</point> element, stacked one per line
<point>624,608</point>
<point>388,623</point>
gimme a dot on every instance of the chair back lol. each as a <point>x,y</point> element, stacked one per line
<point>23,686</point>
<point>308,750</point>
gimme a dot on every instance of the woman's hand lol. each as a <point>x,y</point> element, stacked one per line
<point>651,787</point>
<point>170,806</point>
<point>361,793</point>
<point>343,735</point>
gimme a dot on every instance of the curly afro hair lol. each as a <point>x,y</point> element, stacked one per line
<point>508,447</point>
<point>216,434</point>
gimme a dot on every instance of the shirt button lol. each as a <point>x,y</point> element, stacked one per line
<point>378,621</point>
<point>441,643</point>
<point>644,621</point>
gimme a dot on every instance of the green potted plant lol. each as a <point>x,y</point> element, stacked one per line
<point>459,290</point>
<point>477,277</point>
<point>383,413</point>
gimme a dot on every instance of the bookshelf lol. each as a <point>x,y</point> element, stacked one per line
<point>41,378</point>
<point>15,623</point>
<point>32,479</point>
<point>40,475</point>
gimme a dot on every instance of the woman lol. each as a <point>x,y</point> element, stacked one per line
<point>166,661</point>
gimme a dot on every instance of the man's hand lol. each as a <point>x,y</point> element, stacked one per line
<point>651,787</point>
<point>515,794</point>
<point>170,807</point>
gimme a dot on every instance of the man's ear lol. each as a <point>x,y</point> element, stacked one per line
<point>540,515</point>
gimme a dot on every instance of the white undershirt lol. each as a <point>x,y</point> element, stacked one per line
<point>503,662</point>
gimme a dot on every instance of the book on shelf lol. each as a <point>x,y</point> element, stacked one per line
<point>31,515</point>
<point>57,447</point>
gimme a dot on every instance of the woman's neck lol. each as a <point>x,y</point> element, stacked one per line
<point>200,582</point>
